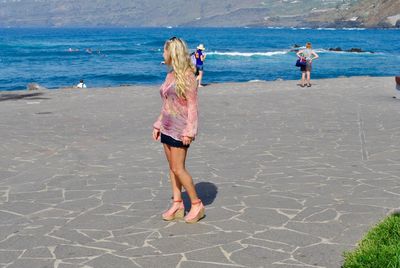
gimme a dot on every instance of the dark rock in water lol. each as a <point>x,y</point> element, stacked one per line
<point>358,50</point>
<point>397,24</point>
<point>353,49</point>
<point>295,48</point>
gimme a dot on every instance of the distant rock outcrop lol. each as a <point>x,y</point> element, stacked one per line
<point>204,13</point>
<point>335,49</point>
<point>353,49</point>
<point>361,13</point>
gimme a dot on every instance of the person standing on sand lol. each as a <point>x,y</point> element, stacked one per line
<point>200,57</point>
<point>176,127</point>
<point>309,55</point>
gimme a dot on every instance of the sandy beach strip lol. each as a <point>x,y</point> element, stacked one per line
<point>290,176</point>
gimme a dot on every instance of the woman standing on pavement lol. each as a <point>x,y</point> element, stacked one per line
<point>200,58</point>
<point>176,127</point>
<point>308,55</point>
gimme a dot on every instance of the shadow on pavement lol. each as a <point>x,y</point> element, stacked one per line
<point>30,96</point>
<point>206,191</point>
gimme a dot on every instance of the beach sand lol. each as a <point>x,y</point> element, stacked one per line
<point>290,176</point>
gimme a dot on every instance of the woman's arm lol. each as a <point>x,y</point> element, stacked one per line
<point>156,134</point>
<point>157,124</point>
<point>315,55</point>
<point>191,98</point>
<point>299,53</point>
<point>156,128</point>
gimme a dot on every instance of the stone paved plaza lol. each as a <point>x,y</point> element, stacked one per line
<point>290,176</point>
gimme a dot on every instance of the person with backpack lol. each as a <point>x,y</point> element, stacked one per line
<point>194,61</point>
<point>308,55</point>
<point>200,57</point>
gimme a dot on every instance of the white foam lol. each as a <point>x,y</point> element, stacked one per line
<point>249,54</point>
<point>255,81</point>
<point>335,29</point>
<point>353,29</point>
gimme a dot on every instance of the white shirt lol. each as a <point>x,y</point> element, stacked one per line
<point>81,85</point>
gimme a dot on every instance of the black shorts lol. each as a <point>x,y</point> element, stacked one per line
<point>172,142</point>
<point>306,68</point>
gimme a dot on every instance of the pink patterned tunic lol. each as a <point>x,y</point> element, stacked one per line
<point>178,116</point>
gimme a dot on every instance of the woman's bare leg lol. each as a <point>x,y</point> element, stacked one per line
<point>178,157</point>
<point>177,166</point>
<point>303,78</point>
<point>175,183</point>
<point>200,78</point>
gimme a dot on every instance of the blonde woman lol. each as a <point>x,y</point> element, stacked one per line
<point>176,127</point>
<point>309,55</point>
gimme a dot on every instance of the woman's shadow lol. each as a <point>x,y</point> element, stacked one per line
<point>206,191</point>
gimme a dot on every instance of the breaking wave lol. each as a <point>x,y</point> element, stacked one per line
<point>249,54</point>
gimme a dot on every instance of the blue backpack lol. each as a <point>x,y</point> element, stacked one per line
<point>193,58</point>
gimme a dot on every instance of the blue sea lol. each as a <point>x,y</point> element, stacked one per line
<point>103,57</point>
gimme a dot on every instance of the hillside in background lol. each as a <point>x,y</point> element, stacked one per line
<point>363,13</point>
<point>201,13</point>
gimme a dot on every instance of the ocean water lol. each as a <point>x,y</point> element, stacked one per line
<point>119,56</point>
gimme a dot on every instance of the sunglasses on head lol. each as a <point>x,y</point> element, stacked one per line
<point>174,38</point>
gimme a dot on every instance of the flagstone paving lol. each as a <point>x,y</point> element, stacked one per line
<point>290,176</point>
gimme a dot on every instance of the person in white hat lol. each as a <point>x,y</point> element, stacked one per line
<point>200,57</point>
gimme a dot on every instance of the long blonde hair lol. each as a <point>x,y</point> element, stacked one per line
<point>181,64</point>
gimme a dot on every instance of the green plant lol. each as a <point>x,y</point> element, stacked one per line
<point>380,248</point>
